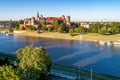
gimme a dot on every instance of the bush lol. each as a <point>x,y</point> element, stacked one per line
<point>11,30</point>
<point>102,31</point>
<point>77,30</point>
<point>60,29</point>
<point>71,32</point>
<point>50,29</point>
<point>38,31</point>
<point>44,28</point>
<point>32,28</point>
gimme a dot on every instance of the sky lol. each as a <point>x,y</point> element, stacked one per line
<point>79,10</point>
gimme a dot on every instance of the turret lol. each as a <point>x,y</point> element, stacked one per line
<point>63,17</point>
<point>68,20</point>
<point>32,20</point>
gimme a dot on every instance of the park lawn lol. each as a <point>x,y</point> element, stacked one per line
<point>87,36</point>
<point>95,36</point>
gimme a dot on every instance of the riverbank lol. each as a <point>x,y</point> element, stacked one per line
<point>86,37</point>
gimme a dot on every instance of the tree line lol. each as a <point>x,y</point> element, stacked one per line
<point>76,27</point>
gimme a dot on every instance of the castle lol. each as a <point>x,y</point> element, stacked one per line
<point>36,21</point>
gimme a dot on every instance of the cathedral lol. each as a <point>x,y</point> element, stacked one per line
<point>36,21</point>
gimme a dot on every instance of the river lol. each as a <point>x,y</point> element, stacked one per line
<point>101,58</point>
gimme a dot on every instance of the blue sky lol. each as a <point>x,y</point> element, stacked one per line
<point>79,10</point>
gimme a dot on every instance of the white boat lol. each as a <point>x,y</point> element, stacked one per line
<point>109,43</point>
<point>116,43</point>
<point>102,42</point>
<point>7,34</point>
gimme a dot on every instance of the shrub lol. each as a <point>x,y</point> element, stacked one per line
<point>11,30</point>
<point>71,32</point>
<point>50,29</point>
<point>102,31</point>
<point>77,30</point>
<point>60,29</point>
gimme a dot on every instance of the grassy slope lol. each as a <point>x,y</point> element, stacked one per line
<point>88,36</point>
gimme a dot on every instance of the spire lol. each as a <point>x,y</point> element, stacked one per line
<point>37,14</point>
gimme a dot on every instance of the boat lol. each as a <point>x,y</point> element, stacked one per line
<point>102,42</point>
<point>116,43</point>
<point>7,34</point>
<point>109,43</point>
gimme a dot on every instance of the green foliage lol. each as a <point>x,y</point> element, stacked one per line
<point>71,31</point>
<point>56,22</point>
<point>21,22</point>
<point>32,27</point>
<point>111,28</point>
<point>16,23</point>
<point>9,73</point>
<point>11,30</point>
<point>34,62</point>
<point>50,29</point>
<point>23,28</point>
<point>102,31</point>
<point>77,30</point>
<point>38,31</point>
<point>95,27</point>
<point>60,29</point>
<point>43,23</point>
<point>44,27</point>
<point>67,27</point>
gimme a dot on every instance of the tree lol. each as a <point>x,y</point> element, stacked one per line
<point>95,27</point>
<point>44,27</point>
<point>77,30</point>
<point>60,29</point>
<point>56,22</point>
<point>9,73</point>
<point>32,27</point>
<point>34,62</point>
<point>21,22</point>
<point>50,29</point>
<point>71,32</point>
<point>102,31</point>
<point>11,30</point>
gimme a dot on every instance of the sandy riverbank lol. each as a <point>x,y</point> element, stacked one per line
<point>87,37</point>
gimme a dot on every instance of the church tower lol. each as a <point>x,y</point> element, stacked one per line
<point>37,17</point>
<point>37,14</point>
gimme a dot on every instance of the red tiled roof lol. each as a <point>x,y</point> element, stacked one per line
<point>27,19</point>
<point>53,18</point>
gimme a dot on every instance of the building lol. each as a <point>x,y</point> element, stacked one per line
<point>2,25</point>
<point>7,24</point>
<point>36,21</point>
<point>85,25</point>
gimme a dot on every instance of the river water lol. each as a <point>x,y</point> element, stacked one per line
<point>101,58</point>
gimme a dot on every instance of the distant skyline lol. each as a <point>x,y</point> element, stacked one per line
<point>79,10</point>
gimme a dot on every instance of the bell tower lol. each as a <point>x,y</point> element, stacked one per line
<point>37,17</point>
